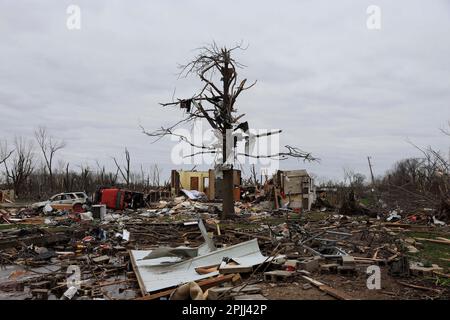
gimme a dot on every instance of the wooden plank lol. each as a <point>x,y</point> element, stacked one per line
<point>136,272</point>
<point>312,281</point>
<point>235,269</point>
<point>275,193</point>
<point>251,297</point>
<point>208,283</point>
<point>206,270</point>
<point>204,284</point>
<point>418,287</point>
<point>156,295</point>
<point>440,274</point>
<point>327,289</point>
<point>433,240</point>
<point>335,293</point>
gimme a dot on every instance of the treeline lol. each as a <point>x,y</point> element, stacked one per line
<point>412,184</point>
<point>28,167</point>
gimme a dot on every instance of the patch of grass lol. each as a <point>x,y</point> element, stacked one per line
<point>367,201</point>
<point>6,226</point>
<point>272,221</point>
<point>242,226</point>
<point>15,226</point>
<point>316,215</point>
<point>427,234</point>
<point>431,253</point>
<point>440,281</point>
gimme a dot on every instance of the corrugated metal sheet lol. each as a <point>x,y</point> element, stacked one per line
<point>161,273</point>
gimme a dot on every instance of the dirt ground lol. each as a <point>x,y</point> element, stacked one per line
<point>353,285</point>
<point>31,247</point>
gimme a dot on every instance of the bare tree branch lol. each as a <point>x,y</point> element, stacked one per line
<point>49,147</point>
<point>126,173</point>
<point>217,70</point>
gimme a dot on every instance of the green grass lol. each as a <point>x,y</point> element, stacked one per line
<point>427,234</point>
<point>431,253</point>
<point>440,281</point>
<point>241,226</point>
<point>15,226</point>
<point>316,215</point>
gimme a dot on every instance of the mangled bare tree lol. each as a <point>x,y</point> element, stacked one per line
<point>216,103</point>
<point>20,166</point>
<point>49,146</point>
<point>156,172</point>
<point>125,172</point>
<point>446,131</point>
<point>106,178</point>
<point>421,182</point>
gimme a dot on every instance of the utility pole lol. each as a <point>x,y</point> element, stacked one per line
<point>371,172</point>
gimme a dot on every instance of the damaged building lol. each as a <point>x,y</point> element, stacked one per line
<point>203,181</point>
<point>294,189</point>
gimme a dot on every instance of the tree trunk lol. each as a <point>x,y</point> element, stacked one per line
<point>227,188</point>
<point>227,194</point>
<point>51,180</point>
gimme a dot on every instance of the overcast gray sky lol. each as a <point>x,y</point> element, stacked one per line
<point>336,88</point>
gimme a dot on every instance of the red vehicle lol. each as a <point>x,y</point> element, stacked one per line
<point>119,199</point>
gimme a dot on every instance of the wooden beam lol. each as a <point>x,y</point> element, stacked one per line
<point>418,287</point>
<point>138,276</point>
<point>204,284</point>
<point>434,240</point>
<point>327,289</point>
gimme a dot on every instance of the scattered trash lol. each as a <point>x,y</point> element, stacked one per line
<point>86,216</point>
<point>438,222</point>
<point>393,216</point>
<point>125,235</point>
<point>177,248</point>
<point>70,293</point>
<point>188,291</point>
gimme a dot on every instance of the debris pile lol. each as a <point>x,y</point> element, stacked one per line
<point>179,249</point>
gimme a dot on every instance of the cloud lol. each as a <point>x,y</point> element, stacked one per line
<point>336,88</point>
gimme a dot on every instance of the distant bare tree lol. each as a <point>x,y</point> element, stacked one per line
<point>447,130</point>
<point>125,172</point>
<point>254,176</point>
<point>156,176</point>
<point>49,146</point>
<point>4,152</point>
<point>144,179</point>
<point>68,182</point>
<point>354,180</point>
<point>21,164</point>
<point>85,177</point>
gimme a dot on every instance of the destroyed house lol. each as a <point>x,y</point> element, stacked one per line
<point>201,181</point>
<point>327,195</point>
<point>295,189</point>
